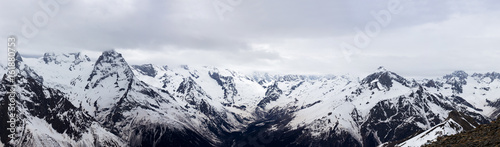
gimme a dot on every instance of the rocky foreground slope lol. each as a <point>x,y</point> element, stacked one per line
<point>486,135</point>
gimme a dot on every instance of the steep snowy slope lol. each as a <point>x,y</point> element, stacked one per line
<point>455,123</point>
<point>135,110</point>
<point>235,92</point>
<point>66,72</point>
<point>47,118</point>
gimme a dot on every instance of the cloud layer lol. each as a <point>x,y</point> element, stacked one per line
<point>427,38</point>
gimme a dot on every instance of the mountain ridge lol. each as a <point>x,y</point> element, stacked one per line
<point>212,107</point>
<point>485,135</point>
<point>456,122</point>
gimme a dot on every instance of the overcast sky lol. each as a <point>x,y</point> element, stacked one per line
<point>423,38</point>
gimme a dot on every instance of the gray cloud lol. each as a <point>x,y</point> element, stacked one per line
<point>428,38</point>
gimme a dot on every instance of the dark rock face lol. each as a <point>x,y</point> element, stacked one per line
<point>461,75</point>
<point>161,135</point>
<point>386,116</point>
<point>77,58</point>
<point>466,122</point>
<point>227,84</point>
<point>390,121</point>
<point>217,122</point>
<point>493,75</point>
<point>456,87</point>
<point>460,100</point>
<point>271,130</point>
<point>488,78</point>
<point>49,57</point>
<point>433,84</point>
<point>146,69</point>
<point>259,133</point>
<point>457,79</point>
<point>496,105</point>
<point>191,91</point>
<point>272,94</point>
<point>50,105</point>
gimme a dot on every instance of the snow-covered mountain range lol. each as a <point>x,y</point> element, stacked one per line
<point>70,100</point>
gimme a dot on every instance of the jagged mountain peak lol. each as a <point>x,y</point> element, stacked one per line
<point>26,70</point>
<point>18,57</point>
<point>381,69</point>
<point>459,74</point>
<point>80,58</point>
<point>263,77</point>
<point>111,64</point>
<point>432,83</point>
<point>489,74</point>
<point>110,56</point>
<point>17,63</point>
<point>457,79</point>
<point>488,77</point>
<point>385,78</point>
<point>19,60</point>
<point>50,57</point>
